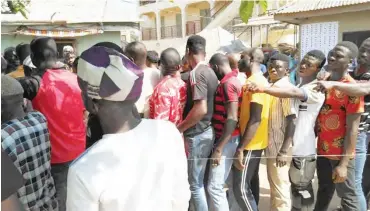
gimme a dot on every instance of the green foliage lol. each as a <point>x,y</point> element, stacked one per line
<point>15,6</point>
<point>246,8</point>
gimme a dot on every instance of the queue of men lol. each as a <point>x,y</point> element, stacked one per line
<point>128,129</point>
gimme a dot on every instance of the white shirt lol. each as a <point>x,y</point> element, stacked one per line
<point>143,169</point>
<point>152,77</point>
<point>304,139</point>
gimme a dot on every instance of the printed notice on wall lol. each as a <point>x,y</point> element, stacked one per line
<point>318,36</point>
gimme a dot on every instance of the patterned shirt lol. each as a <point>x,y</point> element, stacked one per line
<point>26,141</point>
<point>229,90</point>
<point>168,100</point>
<point>279,110</point>
<point>332,120</point>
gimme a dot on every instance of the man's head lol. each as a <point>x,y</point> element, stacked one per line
<point>44,52</point>
<point>342,56</point>
<point>136,52</point>
<point>67,50</point>
<point>69,59</point>
<point>170,61</point>
<point>278,66</point>
<point>109,81</point>
<point>12,59</point>
<point>311,63</point>
<point>220,64</point>
<point>11,98</point>
<point>364,54</point>
<point>256,55</point>
<point>185,64</point>
<point>195,50</point>
<point>152,59</point>
<point>233,60</point>
<point>23,51</point>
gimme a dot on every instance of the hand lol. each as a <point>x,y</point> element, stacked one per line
<point>281,159</point>
<point>323,86</point>
<point>253,87</point>
<point>216,157</point>
<point>340,174</point>
<point>238,160</point>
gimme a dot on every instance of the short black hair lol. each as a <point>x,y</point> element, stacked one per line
<point>280,57</point>
<point>170,58</point>
<point>23,50</point>
<point>243,63</point>
<point>8,53</point>
<point>319,55</point>
<point>219,59</point>
<point>110,45</point>
<point>152,56</point>
<point>352,47</point>
<point>10,87</point>
<point>196,44</point>
<point>257,55</point>
<point>136,51</point>
<point>44,48</point>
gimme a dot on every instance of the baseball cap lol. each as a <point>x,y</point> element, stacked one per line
<point>109,75</point>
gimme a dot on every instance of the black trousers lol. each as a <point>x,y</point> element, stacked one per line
<point>60,173</point>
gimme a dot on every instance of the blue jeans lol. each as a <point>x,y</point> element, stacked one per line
<point>218,175</point>
<point>200,148</point>
<point>360,159</point>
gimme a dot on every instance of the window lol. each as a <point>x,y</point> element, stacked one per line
<point>356,37</point>
<point>62,43</point>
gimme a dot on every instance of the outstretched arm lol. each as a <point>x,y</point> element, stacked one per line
<point>358,89</point>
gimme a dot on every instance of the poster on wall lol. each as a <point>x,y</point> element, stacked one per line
<point>321,36</point>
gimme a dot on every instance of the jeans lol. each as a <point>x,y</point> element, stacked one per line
<point>246,182</point>
<point>301,173</point>
<point>218,176</point>
<point>366,176</point>
<point>346,190</point>
<point>59,173</point>
<point>200,148</point>
<point>360,159</point>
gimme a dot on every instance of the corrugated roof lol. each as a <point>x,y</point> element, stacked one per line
<point>78,11</point>
<point>311,5</point>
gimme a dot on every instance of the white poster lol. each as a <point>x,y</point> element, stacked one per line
<point>318,36</point>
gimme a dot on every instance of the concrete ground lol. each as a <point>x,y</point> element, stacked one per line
<point>264,203</point>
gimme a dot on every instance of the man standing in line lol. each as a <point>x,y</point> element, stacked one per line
<point>197,129</point>
<point>22,51</point>
<point>253,120</point>
<point>225,122</point>
<point>338,124</point>
<point>136,52</point>
<point>56,94</point>
<point>362,75</point>
<point>152,149</point>
<point>25,138</point>
<point>309,100</point>
<point>169,97</point>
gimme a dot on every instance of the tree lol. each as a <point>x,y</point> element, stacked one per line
<point>14,6</point>
<point>246,8</point>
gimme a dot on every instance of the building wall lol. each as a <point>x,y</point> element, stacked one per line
<point>82,43</point>
<point>149,20</point>
<point>348,22</point>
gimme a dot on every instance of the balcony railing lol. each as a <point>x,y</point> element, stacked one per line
<point>193,27</point>
<point>171,31</point>
<point>149,33</point>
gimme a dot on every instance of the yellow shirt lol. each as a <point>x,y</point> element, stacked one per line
<point>260,139</point>
<point>18,73</point>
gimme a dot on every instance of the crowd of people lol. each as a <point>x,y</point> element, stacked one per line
<point>129,129</point>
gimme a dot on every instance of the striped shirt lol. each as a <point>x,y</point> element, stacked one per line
<point>280,108</point>
<point>229,90</point>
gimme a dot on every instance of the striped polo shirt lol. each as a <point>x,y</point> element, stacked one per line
<point>228,90</point>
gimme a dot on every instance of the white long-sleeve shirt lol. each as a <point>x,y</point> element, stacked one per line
<point>143,169</point>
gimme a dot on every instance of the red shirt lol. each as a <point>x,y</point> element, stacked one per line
<point>168,100</point>
<point>229,90</point>
<point>332,120</point>
<point>59,99</point>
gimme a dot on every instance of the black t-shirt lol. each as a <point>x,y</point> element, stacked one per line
<point>11,179</point>
<point>202,85</point>
<point>365,117</point>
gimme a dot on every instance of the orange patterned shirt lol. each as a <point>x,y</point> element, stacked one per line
<point>332,120</point>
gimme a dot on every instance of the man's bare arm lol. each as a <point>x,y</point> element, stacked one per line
<point>289,132</point>
<point>12,204</point>
<point>357,89</point>
<point>286,92</point>
<point>195,115</point>
<point>230,124</point>
<point>252,125</point>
